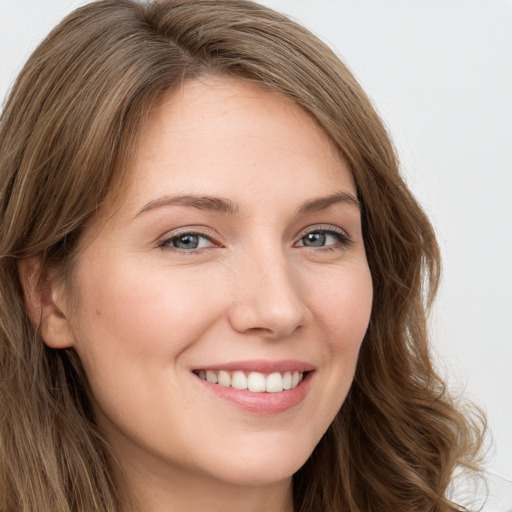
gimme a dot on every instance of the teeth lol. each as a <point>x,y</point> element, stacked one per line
<point>224,379</point>
<point>274,383</point>
<point>211,377</point>
<point>256,382</point>
<point>239,380</point>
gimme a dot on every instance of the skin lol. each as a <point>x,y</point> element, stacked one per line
<point>148,312</point>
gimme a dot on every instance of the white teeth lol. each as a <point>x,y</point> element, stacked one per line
<point>239,380</point>
<point>224,379</point>
<point>274,383</point>
<point>256,382</point>
<point>211,377</point>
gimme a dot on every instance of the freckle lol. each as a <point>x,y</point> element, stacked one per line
<point>98,312</point>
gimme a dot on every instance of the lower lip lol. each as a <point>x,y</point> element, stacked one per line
<point>261,403</point>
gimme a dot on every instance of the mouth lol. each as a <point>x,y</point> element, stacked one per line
<point>260,387</point>
<point>255,382</point>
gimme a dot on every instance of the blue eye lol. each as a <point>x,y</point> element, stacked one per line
<point>324,238</point>
<point>187,242</point>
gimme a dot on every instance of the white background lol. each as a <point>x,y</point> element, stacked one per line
<point>440,74</point>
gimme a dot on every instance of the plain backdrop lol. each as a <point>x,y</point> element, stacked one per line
<point>440,75</point>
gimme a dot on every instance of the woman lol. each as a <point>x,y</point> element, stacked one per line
<point>213,279</point>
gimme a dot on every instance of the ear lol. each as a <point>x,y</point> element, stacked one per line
<point>44,299</point>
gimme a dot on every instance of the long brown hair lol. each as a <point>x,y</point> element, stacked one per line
<point>67,135</point>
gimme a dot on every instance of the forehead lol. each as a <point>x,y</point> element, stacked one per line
<point>223,136</point>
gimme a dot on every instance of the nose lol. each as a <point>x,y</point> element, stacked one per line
<point>268,301</point>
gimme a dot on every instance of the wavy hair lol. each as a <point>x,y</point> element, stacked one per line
<point>68,133</point>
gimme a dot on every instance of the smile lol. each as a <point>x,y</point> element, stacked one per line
<point>255,382</point>
<point>258,386</point>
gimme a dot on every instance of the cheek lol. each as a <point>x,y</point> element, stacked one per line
<point>341,309</point>
<point>343,306</point>
<point>141,311</point>
<point>132,328</point>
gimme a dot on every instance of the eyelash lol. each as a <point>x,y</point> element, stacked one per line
<point>343,240</point>
<point>166,243</point>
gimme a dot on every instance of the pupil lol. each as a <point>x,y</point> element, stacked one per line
<point>315,240</point>
<point>186,242</point>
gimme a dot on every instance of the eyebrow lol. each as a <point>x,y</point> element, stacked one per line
<point>227,206</point>
<point>322,203</point>
<point>214,204</point>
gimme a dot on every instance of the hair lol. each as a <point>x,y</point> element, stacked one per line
<point>68,133</point>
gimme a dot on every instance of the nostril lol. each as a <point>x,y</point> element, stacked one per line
<point>268,320</point>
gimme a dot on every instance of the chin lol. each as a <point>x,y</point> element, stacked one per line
<point>263,464</point>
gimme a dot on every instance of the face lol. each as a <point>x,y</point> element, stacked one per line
<point>235,261</point>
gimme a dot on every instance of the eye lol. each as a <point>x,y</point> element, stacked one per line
<point>187,242</point>
<point>324,238</point>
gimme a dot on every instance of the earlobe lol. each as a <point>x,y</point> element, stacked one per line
<point>45,303</point>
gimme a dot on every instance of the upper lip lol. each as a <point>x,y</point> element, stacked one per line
<point>261,366</point>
